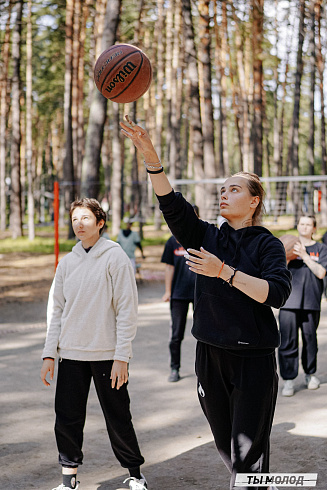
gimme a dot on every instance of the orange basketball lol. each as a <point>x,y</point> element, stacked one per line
<point>123,73</point>
<point>289,241</point>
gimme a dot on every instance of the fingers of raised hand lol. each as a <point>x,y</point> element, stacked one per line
<point>196,253</point>
<point>133,133</point>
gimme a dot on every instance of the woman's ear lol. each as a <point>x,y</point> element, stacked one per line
<point>255,201</point>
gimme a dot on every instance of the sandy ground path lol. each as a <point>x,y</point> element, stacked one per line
<point>173,434</point>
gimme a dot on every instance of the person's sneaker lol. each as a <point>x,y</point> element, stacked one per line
<point>312,382</point>
<point>174,376</point>
<point>288,388</point>
<point>63,487</point>
<point>135,484</point>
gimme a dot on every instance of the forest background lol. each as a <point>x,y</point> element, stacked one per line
<point>237,85</point>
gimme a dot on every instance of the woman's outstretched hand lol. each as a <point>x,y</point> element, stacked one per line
<point>203,262</point>
<point>140,139</point>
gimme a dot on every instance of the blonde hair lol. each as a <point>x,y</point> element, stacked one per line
<point>255,188</point>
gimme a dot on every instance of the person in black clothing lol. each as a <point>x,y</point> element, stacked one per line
<point>179,290</point>
<point>324,240</point>
<point>302,309</point>
<point>241,273</point>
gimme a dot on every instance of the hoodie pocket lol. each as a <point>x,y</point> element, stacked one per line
<point>227,321</point>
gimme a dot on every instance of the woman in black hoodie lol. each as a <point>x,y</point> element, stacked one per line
<point>241,273</point>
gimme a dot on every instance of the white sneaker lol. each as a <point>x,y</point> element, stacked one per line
<point>135,484</point>
<point>312,382</point>
<point>288,388</point>
<point>63,487</point>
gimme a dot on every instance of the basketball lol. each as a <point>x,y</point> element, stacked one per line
<point>123,73</point>
<point>289,241</point>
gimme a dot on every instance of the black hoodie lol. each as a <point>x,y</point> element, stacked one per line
<point>223,315</point>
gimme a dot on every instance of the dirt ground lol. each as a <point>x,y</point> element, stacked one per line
<point>173,434</point>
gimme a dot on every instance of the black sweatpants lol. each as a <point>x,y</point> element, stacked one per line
<point>290,322</point>
<point>73,384</point>
<point>178,311</point>
<point>238,397</point>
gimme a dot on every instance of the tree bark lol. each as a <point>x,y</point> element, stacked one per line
<point>207,123</point>
<point>29,144</point>
<point>195,113</point>
<point>16,224</point>
<point>68,165</point>
<point>257,11</point>
<point>3,118</point>
<point>320,67</point>
<point>293,154</point>
<point>90,181</point>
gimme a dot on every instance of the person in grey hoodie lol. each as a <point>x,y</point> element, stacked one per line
<point>240,274</point>
<point>91,322</point>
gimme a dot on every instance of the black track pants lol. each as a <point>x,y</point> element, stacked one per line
<point>290,322</point>
<point>238,397</point>
<point>73,384</point>
<point>178,310</point>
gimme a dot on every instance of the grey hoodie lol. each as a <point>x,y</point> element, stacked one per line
<point>92,307</point>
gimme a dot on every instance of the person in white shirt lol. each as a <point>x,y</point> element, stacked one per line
<point>91,322</point>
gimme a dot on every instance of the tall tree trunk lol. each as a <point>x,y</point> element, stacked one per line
<point>223,80</point>
<point>320,67</point>
<point>3,117</point>
<point>117,172</point>
<point>218,72</point>
<point>29,146</point>
<point>293,153</point>
<point>159,41</point>
<point>195,113</point>
<point>257,11</point>
<point>168,79</point>
<point>311,138</point>
<point>76,36</point>
<point>16,224</point>
<point>98,110</point>
<point>281,187</point>
<point>241,121</point>
<point>207,123</point>
<point>68,165</point>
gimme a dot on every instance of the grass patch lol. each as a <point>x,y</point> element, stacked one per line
<point>40,245</point>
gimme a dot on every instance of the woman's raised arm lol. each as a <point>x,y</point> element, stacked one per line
<point>143,143</point>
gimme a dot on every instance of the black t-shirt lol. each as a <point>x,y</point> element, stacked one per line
<point>183,279</point>
<point>306,287</point>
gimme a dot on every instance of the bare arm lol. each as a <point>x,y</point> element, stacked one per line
<point>209,265</point>
<point>317,269</point>
<point>141,140</point>
<point>169,274</point>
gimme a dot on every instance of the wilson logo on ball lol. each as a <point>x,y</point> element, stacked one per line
<point>121,76</point>
<point>123,73</point>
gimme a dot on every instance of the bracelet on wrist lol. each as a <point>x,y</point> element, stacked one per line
<point>230,280</point>
<point>152,164</point>
<point>221,268</point>
<point>161,169</point>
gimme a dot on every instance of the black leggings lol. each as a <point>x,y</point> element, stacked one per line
<point>73,384</point>
<point>238,396</point>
